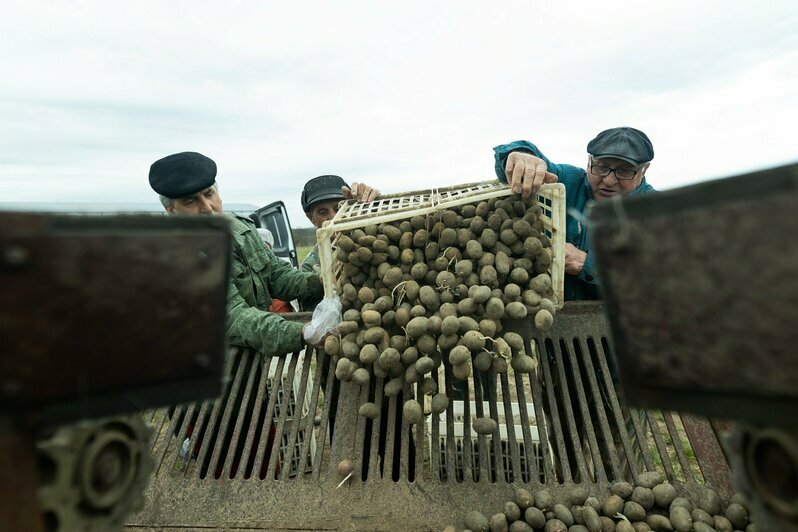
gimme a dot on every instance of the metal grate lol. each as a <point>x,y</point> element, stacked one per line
<point>452,467</point>
<point>260,406</point>
<point>563,424</point>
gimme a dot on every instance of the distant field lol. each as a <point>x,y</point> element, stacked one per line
<point>302,252</point>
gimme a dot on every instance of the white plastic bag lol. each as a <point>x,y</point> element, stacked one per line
<point>325,320</point>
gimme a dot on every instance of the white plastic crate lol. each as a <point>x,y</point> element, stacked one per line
<point>306,410</point>
<point>391,207</point>
<point>453,467</point>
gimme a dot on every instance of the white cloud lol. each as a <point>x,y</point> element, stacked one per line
<point>402,96</point>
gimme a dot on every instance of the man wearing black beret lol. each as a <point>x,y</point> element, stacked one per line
<point>617,162</point>
<point>186,184</point>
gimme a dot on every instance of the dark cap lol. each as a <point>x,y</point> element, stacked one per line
<point>322,188</point>
<point>182,174</point>
<point>624,143</point>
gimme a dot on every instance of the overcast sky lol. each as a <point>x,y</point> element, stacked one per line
<point>401,95</point>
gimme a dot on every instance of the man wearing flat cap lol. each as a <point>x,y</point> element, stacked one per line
<point>186,183</point>
<point>320,199</point>
<point>617,162</point>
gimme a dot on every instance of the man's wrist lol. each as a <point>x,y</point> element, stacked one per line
<point>586,271</point>
<point>582,260</point>
<point>301,332</point>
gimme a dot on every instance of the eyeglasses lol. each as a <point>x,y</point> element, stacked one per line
<point>622,174</point>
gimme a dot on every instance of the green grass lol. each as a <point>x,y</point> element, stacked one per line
<point>302,252</point>
<point>687,447</point>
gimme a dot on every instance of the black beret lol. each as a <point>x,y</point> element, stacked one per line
<point>625,143</point>
<point>182,174</point>
<point>322,188</point>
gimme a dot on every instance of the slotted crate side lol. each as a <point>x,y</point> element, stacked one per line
<point>415,200</point>
<point>393,207</point>
<point>552,200</point>
<point>295,417</point>
<point>459,411</point>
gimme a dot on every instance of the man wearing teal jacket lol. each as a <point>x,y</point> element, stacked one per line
<point>186,183</point>
<point>617,164</point>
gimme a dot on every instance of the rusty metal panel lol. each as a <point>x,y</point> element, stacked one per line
<point>125,310</point>
<point>701,293</point>
<point>562,425</point>
<point>20,508</point>
<point>709,452</point>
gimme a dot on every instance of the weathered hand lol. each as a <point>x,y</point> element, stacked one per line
<point>360,192</point>
<point>526,173</point>
<point>574,259</point>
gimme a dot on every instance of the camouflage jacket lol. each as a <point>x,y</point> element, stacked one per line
<point>257,276</point>
<point>312,263</point>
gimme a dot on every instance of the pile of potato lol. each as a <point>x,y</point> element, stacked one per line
<point>651,504</point>
<point>431,287</point>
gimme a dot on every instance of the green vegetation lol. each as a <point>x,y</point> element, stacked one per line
<point>302,252</point>
<point>304,240</point>
<point>670,444</point>
<point>304,236</point>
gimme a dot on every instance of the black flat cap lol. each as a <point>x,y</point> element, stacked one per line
<point>625,143</point>
<point>322,188</point>
<point>182,174</point>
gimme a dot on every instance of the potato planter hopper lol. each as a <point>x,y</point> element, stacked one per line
<point>261,457</point>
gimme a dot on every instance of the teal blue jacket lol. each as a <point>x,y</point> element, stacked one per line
<point>578,196</point>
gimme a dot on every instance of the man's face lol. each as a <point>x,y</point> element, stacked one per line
<point>611,185</point>
<point>205,201</point>
<point>322,211</point>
